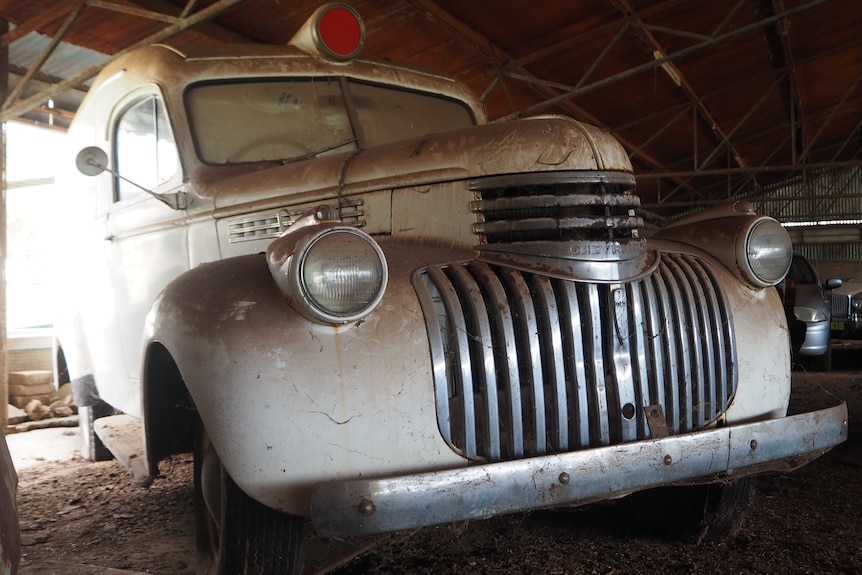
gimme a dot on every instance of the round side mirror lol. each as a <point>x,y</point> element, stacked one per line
<point>92,161</point>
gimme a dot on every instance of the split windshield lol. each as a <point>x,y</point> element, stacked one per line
<point>298,118</point>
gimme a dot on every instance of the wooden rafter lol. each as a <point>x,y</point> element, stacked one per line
<point>34,101</point>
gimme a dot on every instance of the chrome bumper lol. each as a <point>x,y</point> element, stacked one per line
<point>367,506</point>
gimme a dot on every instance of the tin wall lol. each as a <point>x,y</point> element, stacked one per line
<point>833,196</point>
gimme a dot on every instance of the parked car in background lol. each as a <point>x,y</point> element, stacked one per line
<point>10,539</point>
<point>806,299</point>
<point>847,310</point>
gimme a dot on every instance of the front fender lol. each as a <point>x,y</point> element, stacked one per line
<point>287,402</point>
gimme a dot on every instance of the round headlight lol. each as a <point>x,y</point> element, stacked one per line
<point>768,251</point>
<point>342,274</point>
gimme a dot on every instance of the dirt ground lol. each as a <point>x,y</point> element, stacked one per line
<point>808,521</point>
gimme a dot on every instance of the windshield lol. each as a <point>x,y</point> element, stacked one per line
<point>298,118</point>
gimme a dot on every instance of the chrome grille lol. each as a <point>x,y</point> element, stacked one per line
<point>526,365</point>
<point>840,305</point>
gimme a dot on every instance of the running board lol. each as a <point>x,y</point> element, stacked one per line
<point>124,438</point>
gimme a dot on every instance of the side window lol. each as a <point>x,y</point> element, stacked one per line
<point>144,148</point>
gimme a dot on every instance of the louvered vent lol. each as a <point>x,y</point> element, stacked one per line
<point>270,225</point>
<point>580,225</point>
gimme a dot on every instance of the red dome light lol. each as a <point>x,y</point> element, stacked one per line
<point>340,31</point>
<point>334,32</point>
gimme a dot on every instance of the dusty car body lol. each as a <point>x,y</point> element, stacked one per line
<point>360,303</point>
<point>10,537</point>
<point>847,310</point>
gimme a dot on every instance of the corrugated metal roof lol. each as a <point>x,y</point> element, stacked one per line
<point>712,99</point>
<point>66,61</point>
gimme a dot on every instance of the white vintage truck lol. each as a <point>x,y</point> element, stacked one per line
<point>363,305</point>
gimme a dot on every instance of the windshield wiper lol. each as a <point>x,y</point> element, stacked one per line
<point>316,153</point>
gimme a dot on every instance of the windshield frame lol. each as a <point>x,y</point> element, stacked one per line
<point>354,131</point>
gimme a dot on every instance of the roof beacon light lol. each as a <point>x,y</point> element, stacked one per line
<point>334,32</point>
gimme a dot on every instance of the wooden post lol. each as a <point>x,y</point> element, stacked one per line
<point>4,89</point>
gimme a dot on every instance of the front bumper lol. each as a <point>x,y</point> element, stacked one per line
<point>816,338</point>
<point>366,506</point>
<point>846,328</point>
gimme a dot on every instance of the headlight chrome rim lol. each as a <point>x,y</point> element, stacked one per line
<point>766,252</point>
<point>337,306</point>
<point>296,259</point>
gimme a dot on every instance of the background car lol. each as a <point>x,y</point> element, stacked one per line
<point>10,539</point>
<point>806,300</point>
<point>847,310</point>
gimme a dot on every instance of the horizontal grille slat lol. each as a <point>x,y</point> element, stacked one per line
<point>526,365</point>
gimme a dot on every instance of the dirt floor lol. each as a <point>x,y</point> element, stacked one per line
<point>808,521</point>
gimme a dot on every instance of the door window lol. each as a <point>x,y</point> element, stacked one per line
<point>145,151</point>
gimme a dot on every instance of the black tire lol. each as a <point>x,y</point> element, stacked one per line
<point>695,513</point>
<point>236,534</point>
<point>724,505</point>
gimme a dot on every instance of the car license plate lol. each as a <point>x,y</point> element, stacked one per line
<point>837,326</point>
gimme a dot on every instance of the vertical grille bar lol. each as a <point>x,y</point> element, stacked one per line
<point>436,320</point>
<point>506,355</point>
<point>598,403</point>
<point>573,345</point>
<point>529,354</point>
<point>487,429</point>
<point>682,346</point>
<point>655,357</point>
<point>690,308</point>
<point>525,364</point>
<point>622,376</point>
<point>461,379</point>
<point>669,339</point>
<point>707,360</point>
<point>553,362</point>
<point>637,334</point>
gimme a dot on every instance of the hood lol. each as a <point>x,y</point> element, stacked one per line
<point>539,144</point>
<point>851,287</point>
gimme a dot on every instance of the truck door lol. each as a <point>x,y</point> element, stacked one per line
<point>149,244</point>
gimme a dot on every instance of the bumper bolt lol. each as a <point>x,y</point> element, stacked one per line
<point>366,507</point>
<point>753,444</point>
<point>668,459</point>
<point>565,478</point>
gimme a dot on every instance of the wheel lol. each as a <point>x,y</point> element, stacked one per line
<point>723,508</point>
<point>696,513</point>
<point>235,534</point>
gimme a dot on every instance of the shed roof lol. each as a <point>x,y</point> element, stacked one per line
<point>713,100</point>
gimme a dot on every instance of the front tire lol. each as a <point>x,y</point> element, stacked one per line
<point>696,513</point>
<point>234,533</point>
<point>723,507</point>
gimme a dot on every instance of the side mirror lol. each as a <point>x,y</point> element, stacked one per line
<point>92,161</point>
<point>834,283</point>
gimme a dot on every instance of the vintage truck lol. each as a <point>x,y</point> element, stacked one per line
<point>360,303</point>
